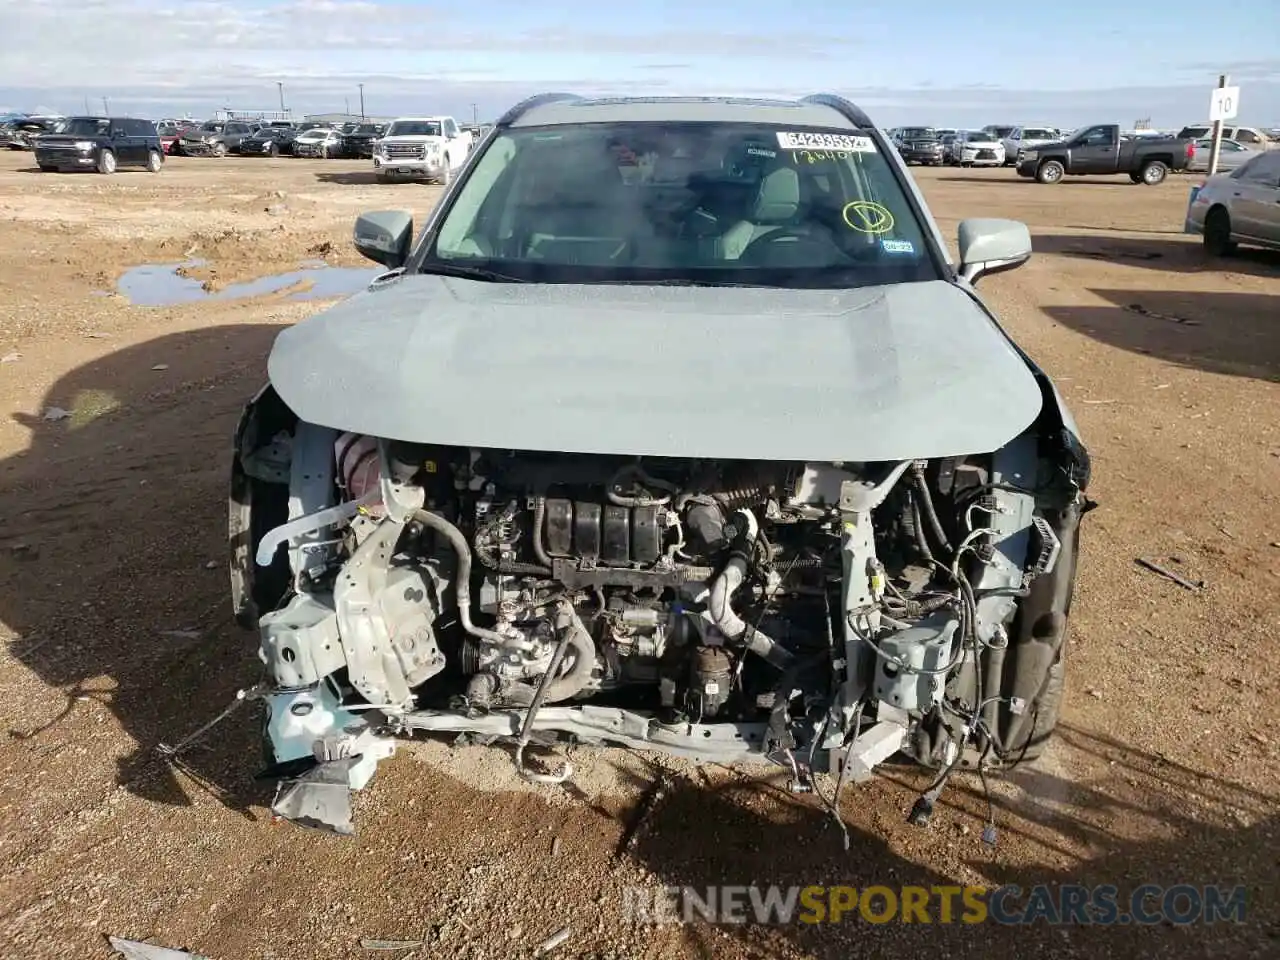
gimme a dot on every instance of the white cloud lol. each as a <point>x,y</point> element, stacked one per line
<point>158,56</point>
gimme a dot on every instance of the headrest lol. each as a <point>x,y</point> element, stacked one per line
<point>778,198</point>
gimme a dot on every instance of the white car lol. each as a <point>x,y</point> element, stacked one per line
<point>976,148</point>
<point>1022,139</point>
<point>322,142</point>
<point>1242,206</point>
<point>433,148</point>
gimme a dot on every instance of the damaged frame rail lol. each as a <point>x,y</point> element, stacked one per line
<point>321,798</point>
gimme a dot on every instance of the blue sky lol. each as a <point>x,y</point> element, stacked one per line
<point>960,64</point>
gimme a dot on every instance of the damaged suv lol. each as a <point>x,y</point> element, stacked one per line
<point>677,429</point>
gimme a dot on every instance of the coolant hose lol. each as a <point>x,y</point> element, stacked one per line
<point>567,622</point>
<point>539,517</point>
<point>727,621</point>
<point>462,588</point>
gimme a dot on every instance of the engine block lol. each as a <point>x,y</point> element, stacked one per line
<point>604,533</point>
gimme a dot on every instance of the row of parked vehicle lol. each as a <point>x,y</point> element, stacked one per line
<point>1003,145</point>
<point>994,145</point>
<point>418,147</point>
<point>1048,155</point>
<point>269,138</point>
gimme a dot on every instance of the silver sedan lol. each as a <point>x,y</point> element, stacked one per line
<point>1239,207</point>
<point>1230,156</point>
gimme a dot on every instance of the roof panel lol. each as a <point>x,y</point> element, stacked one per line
<point>684,109</point>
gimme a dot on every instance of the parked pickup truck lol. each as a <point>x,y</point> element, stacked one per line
<point>1100,149</point>
<point>433,148</point>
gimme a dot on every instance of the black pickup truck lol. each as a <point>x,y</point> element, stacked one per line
<point>1100,150</point>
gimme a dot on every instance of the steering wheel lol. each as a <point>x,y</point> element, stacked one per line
<point>792,247</point>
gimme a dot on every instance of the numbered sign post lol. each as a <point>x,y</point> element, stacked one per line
<point>1224,104</point>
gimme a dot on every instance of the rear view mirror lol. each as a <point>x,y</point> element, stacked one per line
<point>989,245</point>
<point>384,236</point>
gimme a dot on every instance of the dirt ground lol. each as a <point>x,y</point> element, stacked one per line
<point>114,611</point>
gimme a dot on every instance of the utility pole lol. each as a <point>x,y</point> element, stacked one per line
<point>1217,134</point>
<point>280,85</point>
<point>361,86</point>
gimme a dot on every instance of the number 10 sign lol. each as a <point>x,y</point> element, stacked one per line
<point>1225,103</point>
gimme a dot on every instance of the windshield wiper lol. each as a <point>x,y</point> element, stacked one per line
<point>467,273</point>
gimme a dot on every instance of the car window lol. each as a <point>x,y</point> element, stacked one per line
<point>1247,136</point>
<point>692,203</point>
<point>1098,137</point>
<point>1037,133</point>
<point>87,127</point>
<point>414,128</point>
<point>1263,169</point>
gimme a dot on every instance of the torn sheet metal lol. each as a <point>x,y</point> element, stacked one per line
<point>137,950</point>
<point>320,798</point>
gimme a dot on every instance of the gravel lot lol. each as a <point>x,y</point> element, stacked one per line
<point>118,636</point>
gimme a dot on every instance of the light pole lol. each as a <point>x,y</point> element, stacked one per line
<point>280,85</point>
<point>106,107</point>
<point>361,86</point>
<point>475,116</point>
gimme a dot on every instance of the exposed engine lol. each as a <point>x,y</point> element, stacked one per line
<point>663,574</point>
<point>716,608</point>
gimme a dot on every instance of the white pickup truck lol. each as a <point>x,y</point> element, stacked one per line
<point>433,148</point>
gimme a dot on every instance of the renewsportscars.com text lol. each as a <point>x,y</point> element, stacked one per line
<point>1103,905</point>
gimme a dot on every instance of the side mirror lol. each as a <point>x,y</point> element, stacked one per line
<point>989,245</point>
<point>384,236</point>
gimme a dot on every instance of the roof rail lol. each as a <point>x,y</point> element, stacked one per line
<point>850,110</point>
<point>524,106</point>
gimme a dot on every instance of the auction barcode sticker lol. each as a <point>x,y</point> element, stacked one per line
<point>825,141</point>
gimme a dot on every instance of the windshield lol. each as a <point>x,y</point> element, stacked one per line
<point>211,127</point>
<point>909,132</point>
<point>1000,132</point>
<point>318,132</point>
<point>86,127</point>
<point>366,128</point>
<point>414,128</point>
<point>979,136</point>
<point>1039,133</point>
<point>695,203</point>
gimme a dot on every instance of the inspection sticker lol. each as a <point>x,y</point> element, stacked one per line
<point>825,141</point>
<point>897,246</point>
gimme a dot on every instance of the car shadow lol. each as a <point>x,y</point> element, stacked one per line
<point>1163,250</point>
<point>991,180</point>
<point>1057,831</point>
<point>1231,333</point>
<point>350,178</point>
<point>114,555</point>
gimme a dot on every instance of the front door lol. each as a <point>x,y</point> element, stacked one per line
<point>1255,202</point>
<point>126,146</point>
<point>1095,151</point>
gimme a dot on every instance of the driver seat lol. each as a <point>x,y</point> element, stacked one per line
<point>777,204</point>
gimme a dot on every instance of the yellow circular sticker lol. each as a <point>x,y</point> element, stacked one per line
<point>865,216</point>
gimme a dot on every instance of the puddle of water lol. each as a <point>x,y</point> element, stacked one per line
<point>159,285</point>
